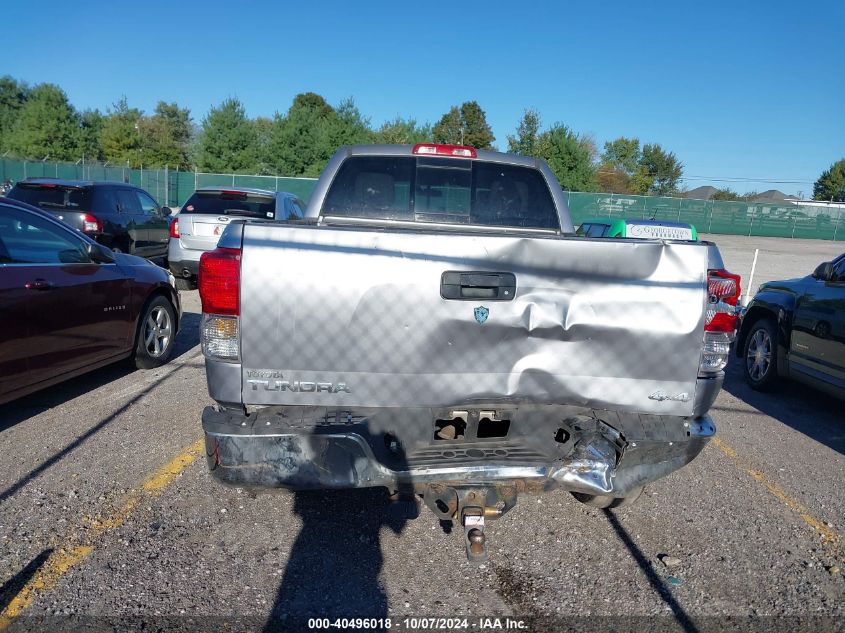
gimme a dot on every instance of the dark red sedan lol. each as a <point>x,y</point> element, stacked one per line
<point>69,305</point>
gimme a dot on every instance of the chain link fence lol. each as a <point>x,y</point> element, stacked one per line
<point>170,187</point>
<point>765,219</point>
<point>769,219</point>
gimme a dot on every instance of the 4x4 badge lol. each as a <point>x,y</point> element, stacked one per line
<point>481,314</point>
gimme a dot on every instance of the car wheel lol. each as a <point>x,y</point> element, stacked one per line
<point>761,360</point>
<point>608,501</point>
<point>156,331</point>
<point>185,284</point>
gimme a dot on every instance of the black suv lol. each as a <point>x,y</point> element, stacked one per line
<point>796,328</point>
<point>125,218</point>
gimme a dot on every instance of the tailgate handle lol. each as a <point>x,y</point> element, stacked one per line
<point>471,286</point>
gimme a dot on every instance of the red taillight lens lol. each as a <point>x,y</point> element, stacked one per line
<point>174,228</point>
<point>723,290</point>
<point>438,149</point>
<point>90,224</point>
<point>220,281</point>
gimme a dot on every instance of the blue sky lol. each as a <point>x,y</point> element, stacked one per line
<point>736,89</point>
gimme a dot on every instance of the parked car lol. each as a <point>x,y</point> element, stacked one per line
<point>123,217</point>
<point>70,304</point>
<point>206,214</point>
<point>436,328</point>
<point>796,329</point>
<point>640,229</point>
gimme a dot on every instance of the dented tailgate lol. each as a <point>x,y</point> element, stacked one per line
<point>358,318</point>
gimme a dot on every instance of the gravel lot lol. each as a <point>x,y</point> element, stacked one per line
<point>755,522</point>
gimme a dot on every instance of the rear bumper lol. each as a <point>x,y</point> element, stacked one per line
<point>300,448</point>
<point>183,262</point>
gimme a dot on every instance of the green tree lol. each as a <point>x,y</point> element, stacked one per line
<point>477,132</point>
<point>623,154</point>
<point>13,95</point>
<point>47,125</point>
<point>831,183</point>
<point>658,172</point>
<point>228,140</point>
<point>165,137</point>
<point>300,145</point>
<point>619,162</point>
<point>449,129</point>
<point>264,129</point>
<point>314,102</point>
<point>612,179</point>
<point>305,138</point>
<point>120,134</point>
<point>527,135</point>
<point>347,126</point>
<point>88,139</point>
<point>725,194</point>
<point>466,125</point>
<point>569,158</point>
<point>401,131</point>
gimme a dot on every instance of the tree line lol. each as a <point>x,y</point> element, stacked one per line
<point>39,122</point>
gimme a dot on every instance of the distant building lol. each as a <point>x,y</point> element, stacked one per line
<point>701,193</point>
<point>773,195</point>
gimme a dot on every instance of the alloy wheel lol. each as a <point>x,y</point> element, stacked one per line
<point>157,332</point>
<point>758,358</point>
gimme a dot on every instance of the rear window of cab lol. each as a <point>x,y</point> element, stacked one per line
<point>443,190</point>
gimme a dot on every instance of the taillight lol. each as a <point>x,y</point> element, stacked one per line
<point>723,289</point>
<point>219,281</point>
<point>91,224</point>
<point>174,228</point>
<point>219,337</point>
<point>438,149</point>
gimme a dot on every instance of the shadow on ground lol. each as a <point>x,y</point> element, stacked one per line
<point>334,565</point>
<point>655,580</point>
<point>17,582</point>
<point>813,413</point>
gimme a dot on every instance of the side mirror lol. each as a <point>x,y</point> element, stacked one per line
<point>166,211</point>
<point>100,254</point>
<point>823,271</point>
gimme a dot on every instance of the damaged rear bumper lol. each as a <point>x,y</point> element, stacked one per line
<point>576,449</point>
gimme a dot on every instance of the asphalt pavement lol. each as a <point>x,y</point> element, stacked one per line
<point>107,509</point>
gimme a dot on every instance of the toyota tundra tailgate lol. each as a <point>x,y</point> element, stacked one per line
<point>375,317</point>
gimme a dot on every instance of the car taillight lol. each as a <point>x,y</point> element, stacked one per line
<point>438,149</point>
<point>174,228</point>
<point>723,290</point>
<point>91,224</point>
<point>219,281</point>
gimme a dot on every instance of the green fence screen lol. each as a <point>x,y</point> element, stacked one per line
<point>782,219</point>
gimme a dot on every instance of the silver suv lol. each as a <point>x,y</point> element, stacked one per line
<point>208,211</point>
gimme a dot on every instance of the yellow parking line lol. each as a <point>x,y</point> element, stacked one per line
<point>74,551</point>
<point>830,539</point>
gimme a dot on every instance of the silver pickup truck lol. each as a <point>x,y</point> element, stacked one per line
<point>434,326</point>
